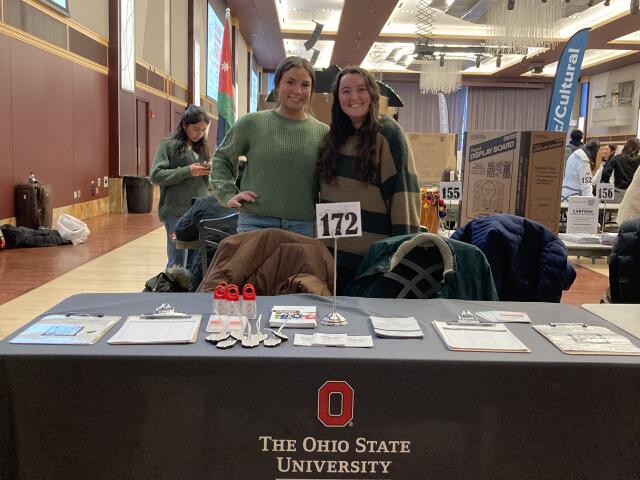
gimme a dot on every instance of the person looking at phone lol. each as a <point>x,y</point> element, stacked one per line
<point>181,168</point>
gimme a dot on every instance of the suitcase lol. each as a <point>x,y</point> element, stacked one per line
<point>34,205</point>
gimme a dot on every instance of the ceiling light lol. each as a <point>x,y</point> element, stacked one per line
<point>437,79</point>
<point>530,23</point>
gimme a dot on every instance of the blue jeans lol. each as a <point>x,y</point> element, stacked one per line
<point>181,257</point>
<point>247,223</point>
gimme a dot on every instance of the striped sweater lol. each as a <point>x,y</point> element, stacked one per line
<point>390,202</point>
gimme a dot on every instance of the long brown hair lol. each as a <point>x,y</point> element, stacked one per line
<point>192,114</point>
<point>632,147</point>
<point>286,65</point>
<point>342,128</point>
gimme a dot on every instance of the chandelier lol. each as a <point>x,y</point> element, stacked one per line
<point>516,26</point>
<point>440,77</point>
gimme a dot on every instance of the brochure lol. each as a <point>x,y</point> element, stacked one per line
<point>396,327</point>
<point>294,316</point>
<point>500,316</point>
<point>67,329</point>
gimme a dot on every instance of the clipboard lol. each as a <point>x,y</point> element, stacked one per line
<point>583,339</point>
<point>155,331</point>
<point>479,337</point>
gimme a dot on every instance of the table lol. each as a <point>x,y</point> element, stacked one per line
<point>624,315</point>
<point>410,409</point>
<point>587,249</point>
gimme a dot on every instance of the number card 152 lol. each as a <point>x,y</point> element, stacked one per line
<point>338,220</point>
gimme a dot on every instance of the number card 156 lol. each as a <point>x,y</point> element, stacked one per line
<point>338,220</point>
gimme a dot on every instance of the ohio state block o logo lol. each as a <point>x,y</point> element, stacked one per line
<point>345,393</point>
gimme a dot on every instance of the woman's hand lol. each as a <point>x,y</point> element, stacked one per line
<point>199,170</point>
<point>236,201</point>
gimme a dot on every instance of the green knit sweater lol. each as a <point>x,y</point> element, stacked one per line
<point>281,161</point>
<point>173,173</point>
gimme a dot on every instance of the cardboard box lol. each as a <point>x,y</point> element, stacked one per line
<point>432,153</point>
<point>513,172</point>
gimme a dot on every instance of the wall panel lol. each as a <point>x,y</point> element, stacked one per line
<point>58,134</point>
<point>53,122</point>
<point>28,96</point>
<point>7,181</point>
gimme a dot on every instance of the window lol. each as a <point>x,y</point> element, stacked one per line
<point>61,6</point>
<point>215,31</point>
<point>255,87</point>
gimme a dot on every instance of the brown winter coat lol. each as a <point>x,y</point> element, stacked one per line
<point>276,262</point>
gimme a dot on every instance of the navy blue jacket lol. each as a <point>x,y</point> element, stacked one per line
<point>528,261</point>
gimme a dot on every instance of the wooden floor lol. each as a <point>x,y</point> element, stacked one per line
<point>123,251</point>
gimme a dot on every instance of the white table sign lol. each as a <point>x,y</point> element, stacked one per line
<point>582,215</point>
<point>335,220</point>
<point>450,190</point>
<point>605,192</point>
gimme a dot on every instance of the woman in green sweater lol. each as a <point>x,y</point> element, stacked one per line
<point>366,158</point>
<point>181,168</point>
<point>278,187</point>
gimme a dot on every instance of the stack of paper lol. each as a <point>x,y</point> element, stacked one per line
<point>578,338</point>
<point>294,316</point>
<point>500,316</point>
<point>138,330</point>
<point>399,327</point>
<point>479,338</point>
<point>320,339</point>
<point>70,329</point>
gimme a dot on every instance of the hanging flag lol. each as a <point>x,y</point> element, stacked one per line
<point>566,83</point>
<point>226,115</point>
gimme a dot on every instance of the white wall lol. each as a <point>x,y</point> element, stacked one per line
<point>601,85</point>
<point>92,14</point>
<point>179,41</point>
<point>241,74</point>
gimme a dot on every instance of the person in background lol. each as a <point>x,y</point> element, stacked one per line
<point>278,187</point>
<point>577,171</point>
<point>624,167</point>
<point>630,205</point>
<point>181,168</point>
<point>366,158</point>
<point>608,151</point>
<point>575,143</point>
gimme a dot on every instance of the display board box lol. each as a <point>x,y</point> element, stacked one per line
<point>513,172</point>
<point>433,153</point>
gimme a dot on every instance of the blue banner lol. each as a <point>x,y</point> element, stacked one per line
<point>566,83</point>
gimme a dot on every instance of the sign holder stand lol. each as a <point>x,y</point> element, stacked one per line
<point>334,318</point>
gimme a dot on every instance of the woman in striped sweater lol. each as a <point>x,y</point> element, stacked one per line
<point>367,159</point>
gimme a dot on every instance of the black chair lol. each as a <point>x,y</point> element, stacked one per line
<point>211,231</point>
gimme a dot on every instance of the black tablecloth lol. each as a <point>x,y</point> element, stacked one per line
<point>418,410</point>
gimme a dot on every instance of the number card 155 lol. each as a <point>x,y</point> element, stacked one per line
<point>338,220</point>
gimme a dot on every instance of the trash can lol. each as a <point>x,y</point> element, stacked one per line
<point>139,192</point>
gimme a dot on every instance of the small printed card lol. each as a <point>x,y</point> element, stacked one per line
<point>320,339</point>
<point>294,316</point>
